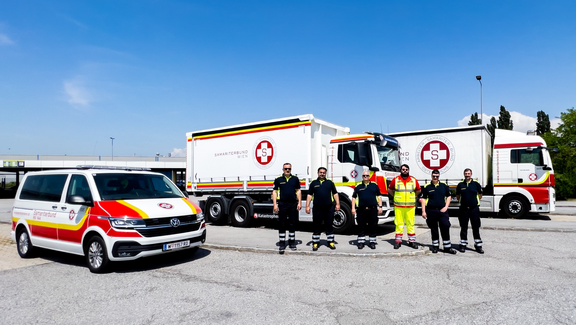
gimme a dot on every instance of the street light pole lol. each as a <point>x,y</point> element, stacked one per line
<point>483,176</point>
<point>481,115</point>
<point>111,138</point>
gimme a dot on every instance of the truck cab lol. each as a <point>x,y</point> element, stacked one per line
<point>352,154</point>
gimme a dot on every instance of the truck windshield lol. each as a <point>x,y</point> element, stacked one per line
<point>389,158</point>
<point>130,186</point>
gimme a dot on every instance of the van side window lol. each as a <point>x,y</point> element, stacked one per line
<point>43,188</point>
<point>79,186</point>
<point>522,156</point>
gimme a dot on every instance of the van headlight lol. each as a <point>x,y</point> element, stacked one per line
<point>127,223</point>
<point>200,216</point>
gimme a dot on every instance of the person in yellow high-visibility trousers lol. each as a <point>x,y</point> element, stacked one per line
<point>405,190</point>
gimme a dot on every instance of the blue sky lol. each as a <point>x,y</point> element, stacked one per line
<point>75,73</point>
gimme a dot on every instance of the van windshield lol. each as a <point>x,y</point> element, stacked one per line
<point>131,186</point>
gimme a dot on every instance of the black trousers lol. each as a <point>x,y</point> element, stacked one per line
<point>472,215</point>
<point>436,218</point>
<point>367,221</point>
<point>323,214</point>
<point>287,216</point>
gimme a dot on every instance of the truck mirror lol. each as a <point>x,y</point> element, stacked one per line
<point>374,169</point>
<point>364,156</point>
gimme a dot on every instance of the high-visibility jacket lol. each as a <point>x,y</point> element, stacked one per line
<point>405,195</point>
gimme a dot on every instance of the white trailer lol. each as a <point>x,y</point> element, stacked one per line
<point>236,165</point>
<point>516,174</point>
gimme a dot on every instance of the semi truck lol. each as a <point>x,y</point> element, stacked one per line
<point>515,172</point>
<point>233,168</point>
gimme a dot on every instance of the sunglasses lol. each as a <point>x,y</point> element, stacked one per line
<point>365,175</point>
<point>405,169</point>
<point>435,175</point>
<point>287,168</point>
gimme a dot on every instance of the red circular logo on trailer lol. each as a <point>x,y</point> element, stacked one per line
<point>353,174</point>
<point>435,155</point>
<point>532,177</point>
<point>165,205</point>
<point>264,152</point>
<point>71,215</point>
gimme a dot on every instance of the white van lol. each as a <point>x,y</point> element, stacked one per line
<point>105,214</point>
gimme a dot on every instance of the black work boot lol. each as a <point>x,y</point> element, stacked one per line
<point>479,249</point>
<point>462,248</point>
<point>292,244</point>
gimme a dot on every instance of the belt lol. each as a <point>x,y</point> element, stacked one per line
<point>368,207</point>
<point>432,208</point>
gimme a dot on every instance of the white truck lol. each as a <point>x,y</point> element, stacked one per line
<point>516,174</point>
<point>235,166</point>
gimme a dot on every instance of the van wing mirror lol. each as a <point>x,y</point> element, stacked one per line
<point>77,199</point>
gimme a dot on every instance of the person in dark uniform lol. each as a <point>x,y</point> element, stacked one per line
<point>286,197</point>
<point>323,192</point>
<point>435,201</point>
<point>469,193</point>
<point>367,201</point>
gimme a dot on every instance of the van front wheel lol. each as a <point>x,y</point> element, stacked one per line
<point>96,255</point>
<point>24,244</point>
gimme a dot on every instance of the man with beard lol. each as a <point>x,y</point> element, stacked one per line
<point>405,189</point>
<point>325,196</point>
<point>469,193</point>
<point>286,197</point>
<point>435,202</point>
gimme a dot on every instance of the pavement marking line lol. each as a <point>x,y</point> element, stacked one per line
<point>9,258</point>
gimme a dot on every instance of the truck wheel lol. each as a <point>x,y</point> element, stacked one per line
<point>514,207</point>
<point>24,244</point>
<point>343,219</point>
<point>215,211</point>
<point>240,214</point>
<point>96,255</point>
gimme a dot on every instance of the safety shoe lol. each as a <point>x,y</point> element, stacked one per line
<point>450,250</point>
<point>292,244</point>
<point>282,245</point>
<point>479,249</point>
<point>413,244</point>
<point>434,249</point>
<point>331,245</point>
<point>397,245</point>
<point>462,248</point>
<point>372,245</point>
<point>315,246</point>
<point>360,245</point>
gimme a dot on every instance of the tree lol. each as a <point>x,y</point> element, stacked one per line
<point>543,123</point>
<point>492,128</point>
<point>564,162</point>
<point>505,120</point>
<point>474,120</point>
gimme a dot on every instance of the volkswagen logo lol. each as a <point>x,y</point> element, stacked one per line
<point>175,222</point>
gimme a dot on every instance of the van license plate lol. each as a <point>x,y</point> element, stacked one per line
<point>180,244</point>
